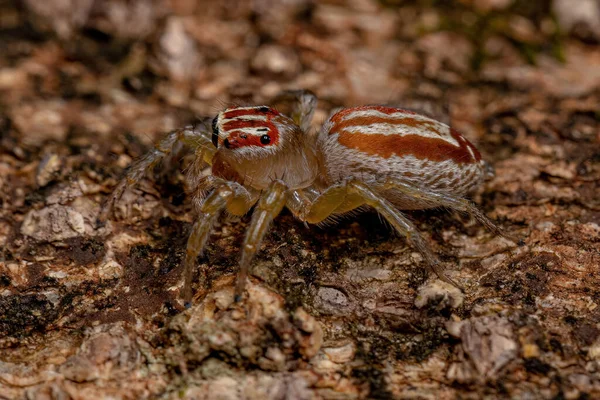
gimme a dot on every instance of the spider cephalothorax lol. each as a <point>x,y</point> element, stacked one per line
<point>247,127</point>
<point>258,145</point>
<point>383,157</point>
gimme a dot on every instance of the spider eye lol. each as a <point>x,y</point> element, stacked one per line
<point>215,132</point>
<point>265,139</point>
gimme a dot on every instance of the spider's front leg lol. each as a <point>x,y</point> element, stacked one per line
<point>351,194</point>
<point>226,194</point>
<point>268,207</point>
<point>196,137</point>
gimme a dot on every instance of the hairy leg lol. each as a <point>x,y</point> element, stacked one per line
<point>432,198</point>
<point>305,104</point>
<point>268,207</point>
<point>336,199</point>
<point>226,194</point>
<point>195,137</point>
<point>351,194</point>
<point>403,226</point>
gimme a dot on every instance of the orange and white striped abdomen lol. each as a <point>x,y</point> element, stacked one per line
<point>371,142</point>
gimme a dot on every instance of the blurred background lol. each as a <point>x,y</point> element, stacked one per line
<point>86,86</point>
<point>151,64</point>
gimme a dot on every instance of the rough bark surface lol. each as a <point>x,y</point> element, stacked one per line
<point>344,311</point>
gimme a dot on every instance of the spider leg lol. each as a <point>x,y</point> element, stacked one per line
<point>226,194</point>
<point>351,194</point>
<point>403,226</point>
<point>447,200</point>
<point>268,207</point>
<point>192,136</point>
<point>304,106</point>
<point>335,199</point>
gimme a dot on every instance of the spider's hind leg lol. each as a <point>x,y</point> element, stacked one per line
<point>404,227</point>
<point>351,194</point>
<point>458,203</point>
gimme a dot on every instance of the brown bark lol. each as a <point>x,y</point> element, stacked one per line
<point>342,311</point>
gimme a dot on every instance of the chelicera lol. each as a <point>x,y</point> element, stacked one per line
<point>385,158</point>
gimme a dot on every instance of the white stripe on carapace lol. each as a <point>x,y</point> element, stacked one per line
<point>246,118</point>
<point>242,108</point>
<point>254,131</point>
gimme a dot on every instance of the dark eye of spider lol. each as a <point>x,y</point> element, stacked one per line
<point>215,132</point>
<point>265,139</point>
<point>264,109</point>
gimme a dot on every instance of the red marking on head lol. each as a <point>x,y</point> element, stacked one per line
<point>420,147</point>
<point>245,123</point>
<point>236,138</point>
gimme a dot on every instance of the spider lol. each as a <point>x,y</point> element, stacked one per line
<point>381,157</point>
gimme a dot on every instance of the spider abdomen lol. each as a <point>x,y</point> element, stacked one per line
<point>371,142</point>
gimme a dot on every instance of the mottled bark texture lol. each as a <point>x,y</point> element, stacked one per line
<point>342,311</point>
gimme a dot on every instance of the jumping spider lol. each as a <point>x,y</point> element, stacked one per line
<point>386,158</point>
